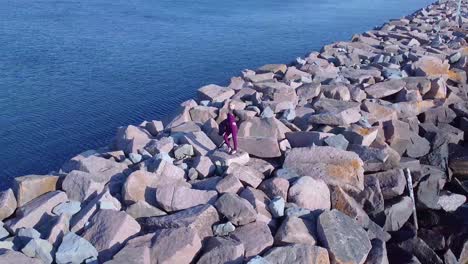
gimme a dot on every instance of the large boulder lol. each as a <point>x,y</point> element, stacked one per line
<point>295,230</point>
<point>396,213</point>
<point>335,112</point>
<point>260,201</point>
<point>309,193</point>
<point>275,186</point>
<point>74,249</point>
<point>131,138</point>
<point>108,230</point>
<point>346,204</point>
<point>246,174</point>
<point>175,198</point>
<point>392,182</point>
<point>259,137</point>
<point>8,203</point>
<point>29,187</point>
<point>200,218</point>
<point>222,250</point>
<point>431,66</point>
<point>332,165</point>
<point>175,245</point>
<point>32,213</point>
<point>80,186</point>
<point>236,209</point>
<point>297,253</point>
<point>345,240</point>
<point>256,238</point>
<point>136,251</point>
<point>79,220</point>
<point>386,88</point>
<point>215,93</point>
<point>201,143</point>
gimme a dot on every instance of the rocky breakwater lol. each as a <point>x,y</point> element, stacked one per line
<point>325,143</point>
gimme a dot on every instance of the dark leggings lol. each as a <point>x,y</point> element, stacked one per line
<point>234,137</point>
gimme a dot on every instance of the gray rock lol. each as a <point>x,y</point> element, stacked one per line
<point>39,248</point>
<point>345,240</point>
<point>184,151</point>
<point>236,209</point>
<point>222,250</point>
<point>276,206</point>
<point>258,260</point>
<point>7,203</point>
<point>392,182</point>
<point>396,214</point>
<point>384,89</point>
<point>69,208</point>
<point>378,253</point>
<point>135,158</point>
<point>74,249</point>
<point>223,229</point>
<point>337,141</point>
<point>450,202</point>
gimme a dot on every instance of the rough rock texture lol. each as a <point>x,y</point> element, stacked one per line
<point>345,240</point>
<point>334,166</point>
<point>28,187</point>
<point>108,230</point>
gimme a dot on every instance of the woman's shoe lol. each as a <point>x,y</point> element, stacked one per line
<point>232,152</point>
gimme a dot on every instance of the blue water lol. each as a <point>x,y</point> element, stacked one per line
<point>72,71</point>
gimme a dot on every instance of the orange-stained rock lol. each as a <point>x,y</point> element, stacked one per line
<point>29,187</point>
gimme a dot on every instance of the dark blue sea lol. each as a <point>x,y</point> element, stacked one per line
<point>72,71</point>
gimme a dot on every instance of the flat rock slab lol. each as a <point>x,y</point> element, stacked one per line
<point>386,88</point>
<point>200,218</point>
<point>345,240</point>
<point>175,198</point>
<point>332,165</point>
<point>201,143</point>
<point>32,213</point>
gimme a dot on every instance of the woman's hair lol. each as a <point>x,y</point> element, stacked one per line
<point>231,106</point>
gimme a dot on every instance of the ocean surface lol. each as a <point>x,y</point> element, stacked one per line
<point>72,71</point>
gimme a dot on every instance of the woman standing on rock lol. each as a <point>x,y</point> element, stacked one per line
<point>229,127</point>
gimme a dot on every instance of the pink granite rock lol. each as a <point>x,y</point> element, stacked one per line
<point>8,203</point>
<point>131,138</point>
<point>295,230</point>
<point>256,238</point>
<point>15,257</point>
<point>222,250</point>
<point>29,187</point>
<point>136,251</point>
<point>32,213</point>
<point>108,230</point>
<point>229,183</point>
<point>177,245</point>
<point>275,187</point>
<point>259,200</point>
<point>199,218</point>
<point>80,186</point>
<point>309,193</point>
<point>204,166</point>
<point>246,175</point>
<point>175,198</point>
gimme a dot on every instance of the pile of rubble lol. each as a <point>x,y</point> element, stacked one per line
<point>327,143</point>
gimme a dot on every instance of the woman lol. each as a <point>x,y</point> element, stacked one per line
<point>230,128</point>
